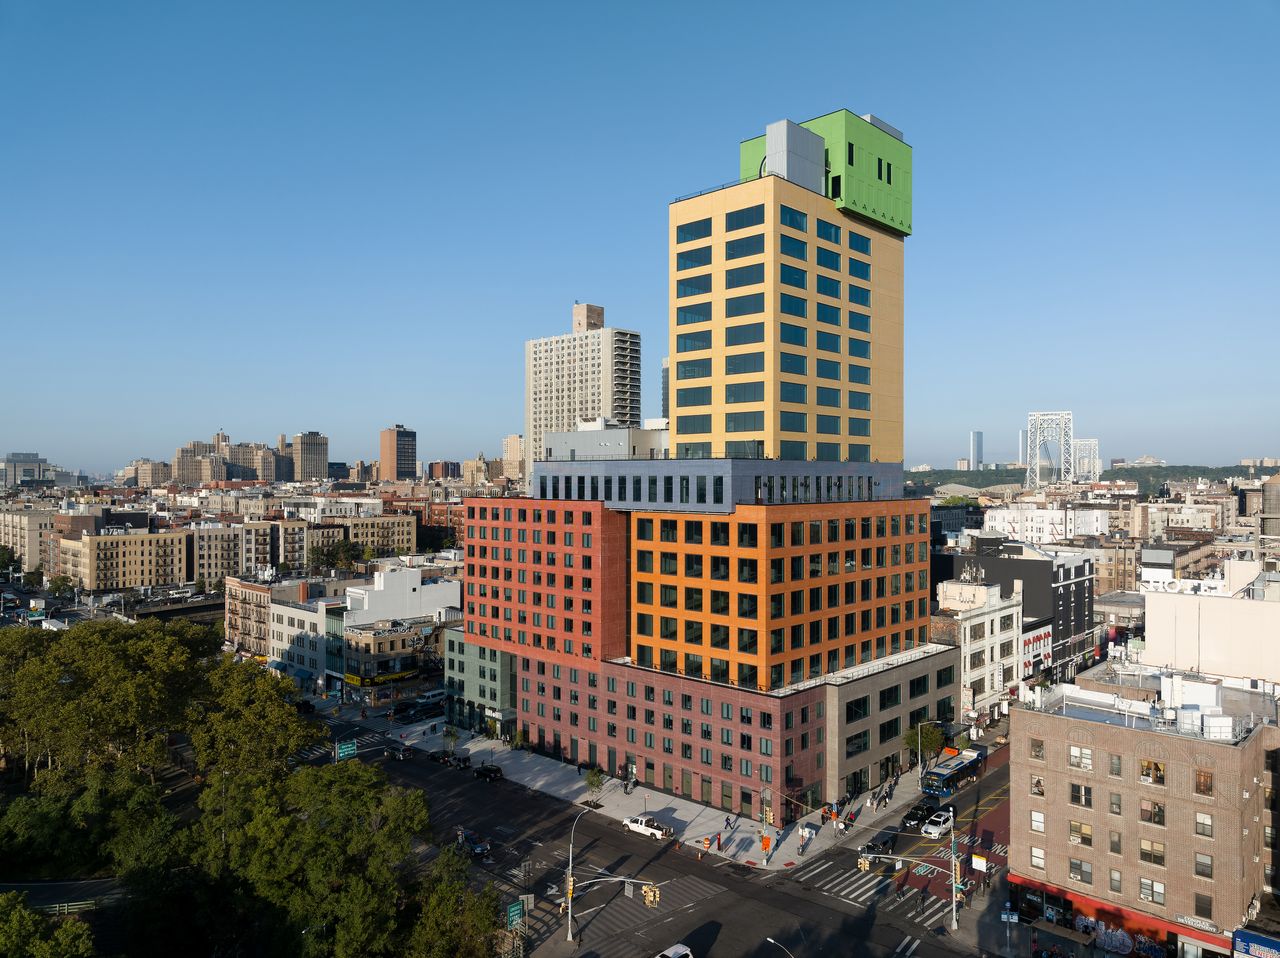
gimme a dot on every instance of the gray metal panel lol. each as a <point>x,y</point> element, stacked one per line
<point>796,154</point>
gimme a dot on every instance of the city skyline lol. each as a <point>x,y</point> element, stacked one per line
<point>219,207</point>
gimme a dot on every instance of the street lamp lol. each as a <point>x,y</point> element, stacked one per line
<point>568,877</point>
<point>920,745</point>
<point>783,947</point>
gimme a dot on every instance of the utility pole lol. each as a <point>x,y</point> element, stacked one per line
<point>955,879</point>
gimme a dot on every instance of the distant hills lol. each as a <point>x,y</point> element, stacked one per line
<point>1148,478</point>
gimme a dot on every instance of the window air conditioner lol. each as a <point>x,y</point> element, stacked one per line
<point>1075,839</point>
<point>1145,779</point>
<point>1145,897</point>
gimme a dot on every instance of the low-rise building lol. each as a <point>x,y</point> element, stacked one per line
<point>1039,523</point>
<point>985,625</point>
<point>23,529</point>
<point>481,683</point>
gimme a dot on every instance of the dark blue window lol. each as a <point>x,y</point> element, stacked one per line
<point>859,295</point>
<point>828,425</point>
<point>693,285</point>
<point>827,258</point>
<point>792,392</point>
<point>828,231</point>
<point>859,427</point>
<point>792,306</point>
<point>694,396</point>
<point>693,313</point>
<point>827,369</point>
<point>827,286</point>
<point>859,321</point>
<point>741,219</point>
<point>859,452</point>
<point>826,396</point>
<point>744,392</point>
<point>740,335</point>
<point>860,375</point>
<point>744,246</point>
<point>743,305</point>
<point>828,451</point>
<point>793,276</point>
<point>791,363</point>
<point>828,342</point>
<point>790,246</point>
<point>693,258</point>
<point>693,450</point>
<point>794,335</point>
<point>693,369</point>
<point>859,348</point>
<point>746,363</point>
<point>791,449</point>
<point>859,270</point>
<point>688,424</point>
<point>827,313</point>
<point>698,229</point>
<point>743,421</point>
<point>859,400</point>
<point>794,219</point>
<point>793,421</point>
<point>691,342</point>
<point>859,243</point>
<point>744,276</point>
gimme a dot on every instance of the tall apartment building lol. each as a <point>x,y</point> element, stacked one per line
<point>787,298</point>
<point>975,450</point>
<point>310,456</point>
<point>23,529</point>
<point>397,453</point>
<point>513,456</point>
<point>1142,809</point>
<point>590,372</point>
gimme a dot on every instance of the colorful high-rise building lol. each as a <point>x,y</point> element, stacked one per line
<point>397,453</point>
<point>747,624</point>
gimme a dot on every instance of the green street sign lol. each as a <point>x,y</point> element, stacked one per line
<point>347,749</point>
<point>515,913</point>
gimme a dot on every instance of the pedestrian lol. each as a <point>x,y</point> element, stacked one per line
<point>579,770</point>
<point>778,835</point>
<point>727,820</point>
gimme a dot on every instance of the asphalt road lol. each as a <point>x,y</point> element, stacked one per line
<point>716,907</point>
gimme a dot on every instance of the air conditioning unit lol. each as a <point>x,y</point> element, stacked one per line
<point>1244,795</point>
<point>1075,839</point>
<point>1145,779</point>
<point>1256,859</point>
<point>1145,897</point>
<point>1075,876</point>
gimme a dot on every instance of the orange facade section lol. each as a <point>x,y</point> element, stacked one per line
<point>774,595</point>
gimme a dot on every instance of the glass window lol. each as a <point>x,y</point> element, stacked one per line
<point>1115,880</point>
<point>859,270</point>
<point>827,369</point>
<point>827,425</point>
<point>826,396</point>
<point>1036,749</point>
<point>693,313</point>
<point>792,363</point>
<point>793,305</point>
<point>859,348</point>
<point>741,219</point>
<point>693,258</point>
<point>693,424</point>
<point>1204,906</point>
<point>857,242</point>
<point>744,363</point>
<point>793,276</point>
<point>828,231</point>
<point>744,276</point>
<point>794,219</point>
<point>1150,772</point>
<point>1204,782</point>
<point>826,286</point>
<point>1081,795</point>
<point>1079,757</point>
<point>1081,871</point>
<point>698,229</point>
<point>741,335</point>
<point>793,335</point>
<point>1153,812</point>
<point>1115,803</point>
<point>693,369</point>
<point>859,295</point>
<point>828,342</point>
<point>795,248</point>
<point>744,392</point>
<point>1082,834</point>
<point>693,285</point>
<point>826,313</point>
<point>1204,865</point>
<point>859,322</point>
<point>1037,821</point>
<point>860,427</point>
<point>860,375</point>
<point>792,421</point>
<point>747,305</point>
<point>1037,786</point>
<point>743,421</point>
<point>1151,852</point>
<point>1152,891</point>
<point>694,396</point>
<point>1204,824</point>
<point>1116,844</point>
<point>826,258</point>
<point>744,246</point>
<point>691,342</point>
<point>859,400</point>
<point>1037,857</point>
<point>792,392</point>
<point>1116,765</point>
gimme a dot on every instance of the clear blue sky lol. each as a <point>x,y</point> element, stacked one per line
<point>273,217</point>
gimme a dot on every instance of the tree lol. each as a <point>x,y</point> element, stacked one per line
<point>924,739</point>
<point>8,558</point>
<point>368,555</point>
<point>199,586</point>
<point>957,501</point>
<point>25,933</point>
<point>35,578</point>
<point>454,920</point>
<point>450,737</point>
<point>62,586</point>
<point>595,783</point>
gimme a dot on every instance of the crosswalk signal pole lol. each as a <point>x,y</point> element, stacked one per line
<point>955,881</point>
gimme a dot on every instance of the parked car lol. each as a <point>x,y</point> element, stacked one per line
<point>939,824</point>
<point>440,755</point>
<point>460,760</point>
<point>399,752</point>
<point>400,708</point>
<point>646,825</point>
<point>917,815</point>
<point>490,773</point>
<point>470,841</point>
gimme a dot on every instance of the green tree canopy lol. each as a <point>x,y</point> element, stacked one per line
<point>25,933</point>
<point>455,922</point>
<point>924,739</point>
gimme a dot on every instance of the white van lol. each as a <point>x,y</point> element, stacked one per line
<point>434,697</point>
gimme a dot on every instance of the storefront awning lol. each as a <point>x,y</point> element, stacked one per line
<point>276,664</point>
<point>302,674</point>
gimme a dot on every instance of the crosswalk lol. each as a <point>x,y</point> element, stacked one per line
<point>876,889</point>
<point>365,740</point>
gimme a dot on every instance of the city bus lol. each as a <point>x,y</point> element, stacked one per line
<point>952,774</point>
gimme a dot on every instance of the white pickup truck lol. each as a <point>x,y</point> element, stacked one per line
<point>644,825</point>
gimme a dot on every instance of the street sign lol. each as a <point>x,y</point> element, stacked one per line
<point>515,913</point>
<point>979,862</point>
<point>346,749</point>
<point>1009,916</point>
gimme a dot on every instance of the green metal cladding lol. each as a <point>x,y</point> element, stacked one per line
<point>865,189</point>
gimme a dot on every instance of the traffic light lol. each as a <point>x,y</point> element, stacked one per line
<point>955,870</point>
<point>864,864</point>
<point>768,815</point>
<point>651,896</point>
<point>569,889</point>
